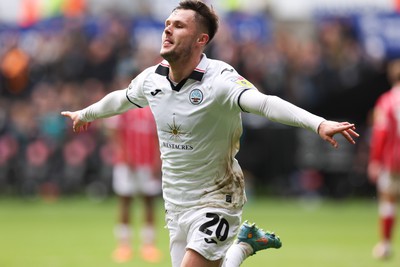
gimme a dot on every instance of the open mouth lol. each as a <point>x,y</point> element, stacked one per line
<point>167,42</point>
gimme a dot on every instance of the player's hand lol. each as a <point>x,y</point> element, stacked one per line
<point>327,130</point>
<point>374,168</point>
<point>77,124</point>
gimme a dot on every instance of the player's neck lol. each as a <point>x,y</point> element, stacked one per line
<point>181,70</point>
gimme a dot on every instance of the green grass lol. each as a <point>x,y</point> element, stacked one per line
<point>77,232</point>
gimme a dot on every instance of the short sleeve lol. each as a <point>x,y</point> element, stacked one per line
<point>229,86</point>
<point>135,93</point>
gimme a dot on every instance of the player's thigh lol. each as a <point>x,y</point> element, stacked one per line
<point>124,181</point>
<point>207,233</point>
<point>212,231</point>
<point>194,259</point>
<point>177,238</point>
<point>388,186</point>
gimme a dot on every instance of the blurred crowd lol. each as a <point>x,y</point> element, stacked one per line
<point>68,63</point>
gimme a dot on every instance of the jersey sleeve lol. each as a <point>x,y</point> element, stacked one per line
<point>111,104</point>
<point>135,90</point>
<point>229,85</point>
<point>279,110</point>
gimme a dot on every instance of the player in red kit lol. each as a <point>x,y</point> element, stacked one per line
<point>136,173</point>
<point>384,163</point>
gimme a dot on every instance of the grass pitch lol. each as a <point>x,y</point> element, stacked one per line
<point>78,232</point>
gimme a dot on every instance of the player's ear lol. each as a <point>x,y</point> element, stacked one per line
<point>203,39</point>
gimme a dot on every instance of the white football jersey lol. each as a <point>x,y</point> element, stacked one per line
<point>199,126</point>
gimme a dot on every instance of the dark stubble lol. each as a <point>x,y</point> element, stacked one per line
<point>177,56</point>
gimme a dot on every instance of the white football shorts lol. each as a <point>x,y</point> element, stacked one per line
<point>208,231</point>
<point>132,182</point>
<point>389,183</point>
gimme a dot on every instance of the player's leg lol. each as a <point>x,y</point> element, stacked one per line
<point>123,185</point>
<point>177,238</point>
<point>211,234</point>
<point>122,231</point>
<point>194,259</point>
<point>211,231</point>
<point>386,212</point>
<point>250,239</point>
<point>150,188</point>
<point>387,195</point>
<point>149,250</point>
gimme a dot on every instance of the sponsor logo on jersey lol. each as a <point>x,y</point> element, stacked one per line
<point>177,146</point>
<point>155,92</point>
<point>196,96</point>
<point>242,81</point>
<point>175,135</point>
<point>175,130</point>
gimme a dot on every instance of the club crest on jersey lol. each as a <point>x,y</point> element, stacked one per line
<point>242,81</point>
<point>196,96</point>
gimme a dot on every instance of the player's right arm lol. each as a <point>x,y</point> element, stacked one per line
<point>112,104</point>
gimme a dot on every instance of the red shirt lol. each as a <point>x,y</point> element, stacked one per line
<point>385,142</point>
<point>136,138</point>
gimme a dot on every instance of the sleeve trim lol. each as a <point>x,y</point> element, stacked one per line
<point>127,97</point>
<point>238,101</point>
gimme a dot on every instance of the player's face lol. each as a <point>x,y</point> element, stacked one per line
<point>179,36</point>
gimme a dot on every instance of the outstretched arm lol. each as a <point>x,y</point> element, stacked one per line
<point>77,124</point>
<point>279,110</point>
<point>112,104</point>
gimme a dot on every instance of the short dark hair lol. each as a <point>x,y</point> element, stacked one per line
<point>205,15</point>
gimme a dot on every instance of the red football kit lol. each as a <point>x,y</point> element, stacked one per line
<point>385,143</point>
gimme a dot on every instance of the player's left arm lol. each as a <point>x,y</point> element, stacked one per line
<point>279,110</point>
<point>378,138</point>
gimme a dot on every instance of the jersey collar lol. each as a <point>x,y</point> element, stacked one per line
<point>197,74</point>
